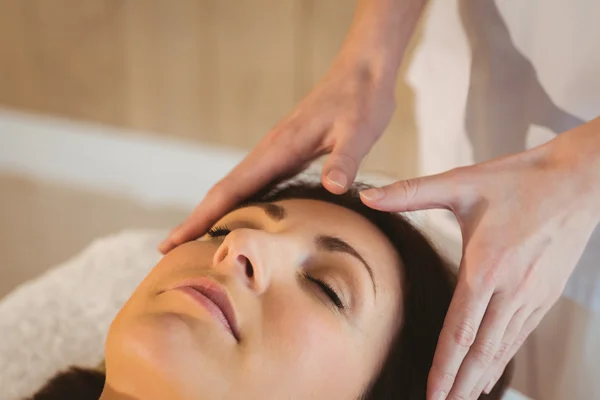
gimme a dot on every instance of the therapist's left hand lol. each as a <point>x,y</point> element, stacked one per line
<point>525,221</point>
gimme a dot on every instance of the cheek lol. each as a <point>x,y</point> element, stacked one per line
<point>314,347</point>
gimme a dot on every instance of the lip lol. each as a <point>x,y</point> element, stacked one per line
<point>214,299</point>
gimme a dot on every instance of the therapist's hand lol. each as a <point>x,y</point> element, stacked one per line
<point>343,115</point>
<point>525,221</point>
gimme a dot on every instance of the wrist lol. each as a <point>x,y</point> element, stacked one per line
<point>577,152</point>
<point>379,36</point>
<point>372,68</point>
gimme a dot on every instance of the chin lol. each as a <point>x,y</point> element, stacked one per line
<point>181,351</point>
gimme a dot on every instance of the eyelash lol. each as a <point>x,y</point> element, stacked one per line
<point>327,290</point>
<point>223,230</point>
<point>218,231</point>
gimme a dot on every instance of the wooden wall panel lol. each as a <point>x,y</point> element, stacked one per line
<point>13,58</point>
<point>171,67</point>
<point>256,67</point>
<point>63,57</point>
<point>219,71</point>
<point>321,27</point>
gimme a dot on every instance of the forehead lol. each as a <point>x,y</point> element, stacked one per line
<point>312,217</point>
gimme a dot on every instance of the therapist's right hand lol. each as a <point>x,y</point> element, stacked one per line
<point>343,115</point>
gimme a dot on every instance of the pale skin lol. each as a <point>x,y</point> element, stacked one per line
<point>525,218</point>
<point>290,334</point>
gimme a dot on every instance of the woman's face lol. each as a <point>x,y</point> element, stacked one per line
<point>296,299</point>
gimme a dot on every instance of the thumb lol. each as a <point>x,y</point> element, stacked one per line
<point>434,191</point>
<point>341,167</point>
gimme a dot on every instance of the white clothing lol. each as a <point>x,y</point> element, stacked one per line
<point>498,77</point>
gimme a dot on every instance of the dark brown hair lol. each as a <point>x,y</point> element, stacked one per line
<point>75,383</point>
<point>428,285</point>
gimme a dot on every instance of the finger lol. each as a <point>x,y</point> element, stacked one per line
<point>515,326</point>
<point>464,317</point>
<point>339,171</point>
<point>263,165</point>
<point>481,354</point>
<point>167,245</point>
<point>434,191</point>
<point>532,322</point>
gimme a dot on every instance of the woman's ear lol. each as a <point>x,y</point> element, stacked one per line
<point>75,383</point>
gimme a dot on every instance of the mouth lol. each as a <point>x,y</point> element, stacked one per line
<point>214,299</point>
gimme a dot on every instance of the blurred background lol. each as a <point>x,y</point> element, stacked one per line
<point>121,114</point>
<point>81,79</point>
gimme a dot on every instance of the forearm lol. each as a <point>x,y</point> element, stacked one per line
<point>590,138</point>
<point>380,33</point>
<point>577,151</point>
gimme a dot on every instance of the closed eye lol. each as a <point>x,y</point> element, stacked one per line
<point>327,290</point>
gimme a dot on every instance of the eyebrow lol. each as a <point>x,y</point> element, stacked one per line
<point>334,244</point>
<point>273,211</point>
<point>323,242</point>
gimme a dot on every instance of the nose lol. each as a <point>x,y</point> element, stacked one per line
<point>240,255</point>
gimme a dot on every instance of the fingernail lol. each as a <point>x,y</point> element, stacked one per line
<point>372,194</point>
<point>162,247</point>
<point>489,387</point>
<point>440,396</point>
<point>338,178</point>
